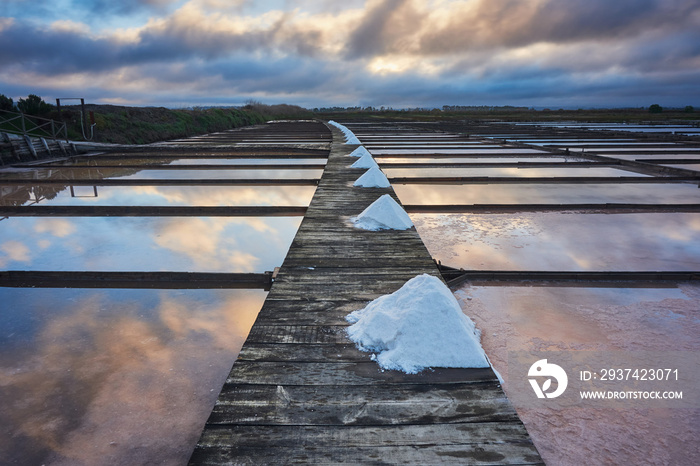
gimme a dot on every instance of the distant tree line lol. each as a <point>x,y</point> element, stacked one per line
<point>32,105</point>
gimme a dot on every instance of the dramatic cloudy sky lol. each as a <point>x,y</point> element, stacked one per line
<point>400,53</point>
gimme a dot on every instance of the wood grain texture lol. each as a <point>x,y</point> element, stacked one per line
<point>301,392</point>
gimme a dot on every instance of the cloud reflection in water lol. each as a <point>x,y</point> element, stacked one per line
<point>114,376</point>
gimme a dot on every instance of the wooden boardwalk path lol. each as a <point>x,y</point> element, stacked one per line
<point>300,392</point>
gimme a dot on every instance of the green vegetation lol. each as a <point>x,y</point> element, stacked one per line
<point>143,125</point>
<point>134,125</point>
<point>33,105</point>
<point>6,103</point>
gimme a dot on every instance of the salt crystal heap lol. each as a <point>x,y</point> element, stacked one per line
<point>421,325</point>
<point>366,161</point>
<point>383,214</point>
<point>373,178</point>
<point>359,152</point>
<point>350,137</point>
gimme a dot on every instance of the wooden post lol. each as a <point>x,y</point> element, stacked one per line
<point>82,109</point>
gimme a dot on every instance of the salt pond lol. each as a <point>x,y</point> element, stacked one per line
<point>187,244</point>
<point>114,376</point>
<point>561,241</point>
<point>548,193</point>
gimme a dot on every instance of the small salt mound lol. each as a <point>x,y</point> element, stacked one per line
<point>366,161</point>
<point>350,137</point>
<point>421,325</point>
<point>383,214</point>
<point>359,152</point>
<point>373,178</point>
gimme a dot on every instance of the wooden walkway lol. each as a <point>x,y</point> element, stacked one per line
<point>300,392</point>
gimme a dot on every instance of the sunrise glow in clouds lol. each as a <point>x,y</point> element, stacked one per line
<point>400,53</point>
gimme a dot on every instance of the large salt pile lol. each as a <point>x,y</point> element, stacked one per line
<point>350,137</point>
<point>366,161</point>
<point>373,178</point>
<point>359,152</point>
<point>421,325</point>
<point>383,214</point>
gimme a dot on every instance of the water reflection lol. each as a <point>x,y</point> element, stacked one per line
<point>494,159</point>
<point>469,151</point>
<point>549,194</point>
<point>114,376</point>
<point>556,241</point>
<point>515,172</point>
<point>525,319</point>
<point>155,174</point>
<point>192,161</point>
<point>158,195</point>
<point>196,244</point>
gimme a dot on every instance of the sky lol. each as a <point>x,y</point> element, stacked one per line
<point>321,53</point>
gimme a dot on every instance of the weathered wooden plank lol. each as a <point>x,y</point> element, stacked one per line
<point>164,280</point>
<point>337,374</point>
<point>480,454</point>
<point>275,352</point>
<point>309,334</point>
<point>334,405</point>
<point>492,433</point>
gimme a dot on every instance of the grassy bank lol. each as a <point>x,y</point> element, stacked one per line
<point>143,125</point>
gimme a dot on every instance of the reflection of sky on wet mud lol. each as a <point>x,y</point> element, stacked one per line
<point>197,244</point>
<point>161,195</point>
<point>560,241</point>
<point>494,150</point>
<point>510,172</point>
<point>615,322</point>
<point>193,161</point>
<point>548,193</point>
<point>156,174</point>
<point>280,174</point>
<point>114,376</point>
<point>476,159</point>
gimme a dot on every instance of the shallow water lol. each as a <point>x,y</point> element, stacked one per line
<point>515,172</point>
<point>193,161</point>
<point>476,159</point>
<point>159,195</point>
<point>185,244</point>
<point>580,322</point>
<point>549,194</point>
<point>493,150</point>
<point>114,376</point>
<point>616,323</point>
<point>561,241</point>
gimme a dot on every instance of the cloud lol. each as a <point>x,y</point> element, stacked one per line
<point>14,251</point>
<point>55,226</point>
<point>313,54</point>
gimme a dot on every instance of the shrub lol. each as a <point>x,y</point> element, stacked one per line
<point>6,103</point>
<point>33,105</point>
